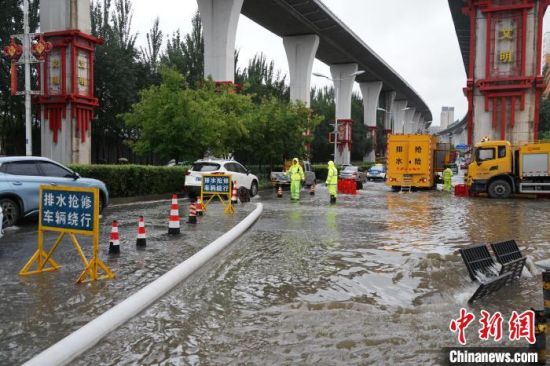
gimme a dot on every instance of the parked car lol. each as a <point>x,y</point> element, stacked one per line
<point>238,172</point>
<point>280,179</point>
<point>377,172</point>
<point>21,178</point>
<point>353,172</point>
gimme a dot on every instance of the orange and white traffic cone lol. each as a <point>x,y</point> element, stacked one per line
<point>174,224</point>
<point>199,207</point>
<point>141,240</point>
<point>192,214</point>
<point>114,241</point>
<point>312,190</point>
<point>234,194</point>
<point>280,192</point>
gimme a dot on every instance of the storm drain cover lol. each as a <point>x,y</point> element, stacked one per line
<point>514,267</point>
<point>478,259</point>
<point>506,251</point>
<point>491,286</point>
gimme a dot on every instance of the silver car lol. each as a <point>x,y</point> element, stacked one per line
<point>21,177</point>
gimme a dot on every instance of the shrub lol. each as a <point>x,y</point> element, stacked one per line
<point>135,180</point>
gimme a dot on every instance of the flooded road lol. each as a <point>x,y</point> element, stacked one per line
<point>375,279</point>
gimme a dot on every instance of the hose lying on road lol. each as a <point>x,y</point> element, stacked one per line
<point>90,334</point>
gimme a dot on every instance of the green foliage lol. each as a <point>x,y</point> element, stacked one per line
<point>262,81</point>
<point>544,126</point>
<point>187,54</point>
<point>135,180</point>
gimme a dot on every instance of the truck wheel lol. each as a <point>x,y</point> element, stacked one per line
<point>396,188</point>
<point>499,189</point>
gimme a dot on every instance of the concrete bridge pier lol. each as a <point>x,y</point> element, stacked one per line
<point>371,94</point>
<point>399,115</point>
<point>409,114</point>
<point>220,19</point>
<point>300,53</point>
<point>389,106</point>
<point>417,128</point>
<point>343,77</point>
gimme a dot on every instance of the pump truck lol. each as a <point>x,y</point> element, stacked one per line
<point>414,161</point>
<point>500,169</point>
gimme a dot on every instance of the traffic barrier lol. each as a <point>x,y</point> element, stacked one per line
<point>141,240</point>
<point>234,193</point>
<point>546,292</point>
<point>540,336</point>
<point>114,241</point>
<point>78,342</point>
<point>312,190</point>
<point>174,223</point>
<point>280,192</point>
<point>461,190</point>
<point>192,214</point>
<point>347,186</point>
<point>200,207</point>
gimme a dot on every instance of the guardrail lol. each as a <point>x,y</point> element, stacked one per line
<point>90,334</point>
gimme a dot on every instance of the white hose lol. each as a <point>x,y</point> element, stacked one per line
<point>90,334</point>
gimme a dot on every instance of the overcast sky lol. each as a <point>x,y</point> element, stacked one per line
<point>417,38</point>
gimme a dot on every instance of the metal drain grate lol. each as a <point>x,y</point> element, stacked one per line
<point>506,251</point>
<point>477,259</point>
<point>486,289</point>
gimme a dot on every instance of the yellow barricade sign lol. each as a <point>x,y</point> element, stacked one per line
<point>220,186</point>
<point>68,211</point>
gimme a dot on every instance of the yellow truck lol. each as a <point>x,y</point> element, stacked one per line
<point>500,169</point>
<point>414,161</point>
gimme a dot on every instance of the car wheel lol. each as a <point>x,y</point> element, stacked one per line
<point>254,189</point>
<point>499,189</point>
<point>11,212</point>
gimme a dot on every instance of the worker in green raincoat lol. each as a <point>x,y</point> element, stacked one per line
<point>332,181</point>
<point>447,178</point>
<point>296,174</point>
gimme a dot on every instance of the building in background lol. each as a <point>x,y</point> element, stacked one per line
<point>447,117</point>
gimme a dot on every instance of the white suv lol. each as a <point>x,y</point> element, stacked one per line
<point>238,172</point>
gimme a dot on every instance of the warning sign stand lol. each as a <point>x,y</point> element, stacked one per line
<point>220,186</point>
<point>68,211</point>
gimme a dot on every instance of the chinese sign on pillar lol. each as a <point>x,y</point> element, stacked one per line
<point>506,58</point>
<point>68,211</point>
<point>343,128</point>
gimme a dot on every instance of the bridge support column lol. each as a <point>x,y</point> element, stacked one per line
<point>505,80</point>
<point>417,128</point>
<point>371,94</point>
<point>408,125</point>
<point>389,106</point>
<point>343,77</point>
<point>66,79</point>
<point>219,19</point>
<point>399,116</point>
<point>300,53</point>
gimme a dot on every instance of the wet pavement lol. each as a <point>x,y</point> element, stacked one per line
<point>375,279</point>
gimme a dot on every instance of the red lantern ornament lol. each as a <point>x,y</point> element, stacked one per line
<point>13,50</point>
<point>41,48</point>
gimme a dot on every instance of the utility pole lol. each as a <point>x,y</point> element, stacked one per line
<point>32,52</point>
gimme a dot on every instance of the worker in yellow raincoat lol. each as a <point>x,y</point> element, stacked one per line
<point>447,178</point>
<point>332,181</point>
<point>296,174</point>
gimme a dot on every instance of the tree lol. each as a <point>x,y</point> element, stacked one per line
<point>262,81</point>
<point>151,55</point>
<point>187,55</point>
<point>176,122</point>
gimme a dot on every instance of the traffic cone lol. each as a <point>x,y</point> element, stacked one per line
<point>114,242</point>
<point>199,207</point>
<point>192,214</point>
<point>280,192</point>
<point>312,190</point>
<point>141,240</point>
<point>234,195</point>
<point>174,224</point>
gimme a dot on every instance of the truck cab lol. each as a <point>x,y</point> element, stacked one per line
<point>492,169</point>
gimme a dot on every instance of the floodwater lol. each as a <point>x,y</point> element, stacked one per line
<point>375,279</point>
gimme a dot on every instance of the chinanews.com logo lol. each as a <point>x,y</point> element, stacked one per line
<point>520,327</point>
